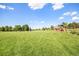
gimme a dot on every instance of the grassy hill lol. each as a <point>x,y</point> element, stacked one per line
<point>39,43</point>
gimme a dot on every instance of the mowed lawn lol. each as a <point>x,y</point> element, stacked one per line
<point>39,43</point>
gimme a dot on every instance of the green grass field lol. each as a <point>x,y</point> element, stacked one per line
<point>39,43</point>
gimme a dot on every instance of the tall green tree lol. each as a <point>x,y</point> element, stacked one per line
<point>10,28</point>
<point>73,25</point>
<point>6,28</point>
<point>52,27</point>
<point>25,27</point>
<point>2,28</point>
<point>17,28</point>
<point>65,24</point>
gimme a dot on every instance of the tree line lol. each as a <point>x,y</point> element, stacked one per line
<point>15,28</point>
<point>26,27</point>
<point>66,25</point>
<point>72,25</point>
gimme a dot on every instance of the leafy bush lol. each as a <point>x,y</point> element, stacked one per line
<point>75,32</point>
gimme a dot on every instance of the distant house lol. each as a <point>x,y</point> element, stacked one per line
<point>61,29</point>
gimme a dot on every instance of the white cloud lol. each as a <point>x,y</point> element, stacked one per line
<point>61,18</point>
<point>42,22</point>
<point>35,6</point>
<point>6,7</point>
<point>10,8</point>
<point>70,13</point>
<point>2,6</point>
<point>55,6</point>
<point>58,6</point>
<point>67,13</point>
<point>73,13</point>
<point>75,18</point>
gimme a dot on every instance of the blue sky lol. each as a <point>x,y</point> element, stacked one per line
<point>38,15</point>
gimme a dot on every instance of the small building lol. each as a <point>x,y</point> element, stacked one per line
<point>61,29</point>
